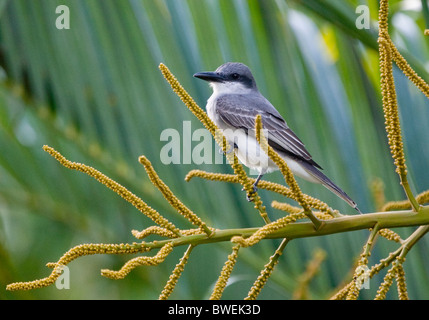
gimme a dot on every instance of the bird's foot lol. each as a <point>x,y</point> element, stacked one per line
<point>249,196</point>
<point>229,151</point>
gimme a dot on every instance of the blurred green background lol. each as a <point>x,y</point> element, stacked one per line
<point>94,92</point>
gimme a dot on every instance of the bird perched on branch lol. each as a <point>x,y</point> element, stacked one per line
<point>233,107</point>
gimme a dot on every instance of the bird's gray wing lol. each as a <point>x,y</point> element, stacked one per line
<point>240,111</point>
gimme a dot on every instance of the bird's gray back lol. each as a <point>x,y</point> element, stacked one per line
<point>240,111</point>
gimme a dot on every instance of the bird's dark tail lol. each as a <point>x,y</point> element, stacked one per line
<point>326,182</point>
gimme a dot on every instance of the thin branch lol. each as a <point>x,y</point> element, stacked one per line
<point>296,230</point>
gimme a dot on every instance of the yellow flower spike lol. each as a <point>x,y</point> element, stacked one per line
<point>190,232</point>
<point>290,179</point>
<point>153,230</point>
<point>325,216</point>
<point>342,294</point>
<point>400,61</point>
<point>285,207</point>
<point>353,291</point>
<point>390,106</point>
<point>175,275</point>
<point>245,181</point>
<point>171,198</point>
<point>263,184</point>
<point>388,52</point>
<point>286,172</point>
<point>390,235</point>
<point>421,198</point>
<point>194,108</point>
<point>266,272</point>
<point>36,284</point>
<point>396,205</point>
<point>299,213</point>
<point>401,283</point>
<point>383,17</point>
<point>117,188</point>
<point>387,282</point>
<point>218,136</point>
<point>139,261</point>
<point>211,176</point>
<point>264,231</point>
<point>362,273</point>
<point>225,274</point>
<point>72,254</point>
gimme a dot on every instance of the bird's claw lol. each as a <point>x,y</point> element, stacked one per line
<point>231,149</point>
<point>250,195</point>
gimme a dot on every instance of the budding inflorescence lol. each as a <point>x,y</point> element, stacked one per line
<point>395,272</point>
<point>175,275</point>
<point>74,253</point>
<point>171,198</point>
<point>264,231</point>
<point>266,185</point>
<point>225,274</point>
<point>117,188</point>
<point>139,261</point>
<point>387,54</point>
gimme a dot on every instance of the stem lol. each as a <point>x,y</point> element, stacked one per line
<point>371,239</point>
<point>402,251</point>
<point>295,230</point>
<point>413,239</point>
<point>414,204</point>
<point>318,224</point>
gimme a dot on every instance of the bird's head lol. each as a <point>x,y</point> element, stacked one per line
<point>231,77</point>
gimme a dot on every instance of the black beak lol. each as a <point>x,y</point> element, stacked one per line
<point>209,76</point>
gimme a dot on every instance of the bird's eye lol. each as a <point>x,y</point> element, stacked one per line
<point>235,76</point>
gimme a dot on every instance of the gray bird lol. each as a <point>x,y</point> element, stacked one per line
<point>234,105</point>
